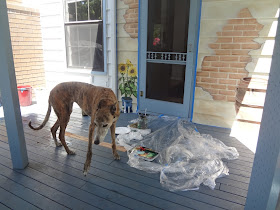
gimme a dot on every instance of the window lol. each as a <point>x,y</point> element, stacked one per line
<point>84,34</point>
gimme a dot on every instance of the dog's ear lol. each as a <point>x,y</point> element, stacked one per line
<point>113,109</point>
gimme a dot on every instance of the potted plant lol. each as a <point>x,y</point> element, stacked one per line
<point>127,84</point>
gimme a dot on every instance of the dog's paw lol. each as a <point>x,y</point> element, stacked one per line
<point>58,144</point>
<point>116,156</point>
<point>86,168</point>
<point>71,152</point>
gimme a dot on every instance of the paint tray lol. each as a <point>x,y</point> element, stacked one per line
<point>145,153</point>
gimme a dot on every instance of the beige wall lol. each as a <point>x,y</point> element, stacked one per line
<point>236,40</point>
<point>127,36</point>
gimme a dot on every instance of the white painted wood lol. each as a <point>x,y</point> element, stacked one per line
<point>53,35</point>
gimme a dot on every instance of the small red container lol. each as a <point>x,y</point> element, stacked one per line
<point>25,95</point>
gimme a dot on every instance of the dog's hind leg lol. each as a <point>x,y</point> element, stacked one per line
<point>89,152</point>
<point>53,131</point>
<point>113,136</point>
<point>63,121</point>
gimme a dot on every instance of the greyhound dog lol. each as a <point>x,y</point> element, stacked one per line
<point>98,102</point>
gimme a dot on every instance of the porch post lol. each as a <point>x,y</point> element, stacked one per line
<point>9,94</point>
<point>265,179</point>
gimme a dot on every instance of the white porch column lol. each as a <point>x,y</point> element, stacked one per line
<point>265,179</point>
<point>9,94</point>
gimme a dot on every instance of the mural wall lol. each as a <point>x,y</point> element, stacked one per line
<point>127,49</point>
<point>236,40</point>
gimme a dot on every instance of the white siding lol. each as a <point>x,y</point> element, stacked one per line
<point>53,35</point>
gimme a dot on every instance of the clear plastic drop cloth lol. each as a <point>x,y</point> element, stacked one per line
<point>186,158</point>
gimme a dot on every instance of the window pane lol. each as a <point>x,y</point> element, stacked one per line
<point>165,82</point>
<point>85,57</point>
<point>84,35</point>
<point>85,46</point>
<point>72,36</point>
<point>168,25</point>
<point>95,9</point>
<point>71,12</point>
<point>73,56</point>
<point>82,10</point>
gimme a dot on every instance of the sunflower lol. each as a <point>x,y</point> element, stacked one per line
<point>122,68</point>
<point>132,72</point>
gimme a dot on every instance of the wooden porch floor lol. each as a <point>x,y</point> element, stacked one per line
<point>54,180</point>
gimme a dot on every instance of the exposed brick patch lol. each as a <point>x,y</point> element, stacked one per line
<point>220,73</point>
<point>25,30</point>
<point>131,18</point>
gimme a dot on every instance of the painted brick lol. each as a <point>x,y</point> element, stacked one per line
<point>203,85</point>
<point>244,13</point>
<point>229,70</point>
<point>214,46</point>
<point>203,74</point>
<point>245,59</point>
<point>227,81</point>
<point>236,21</point>
<point>238,65</point>
<point>219,97</point>
<point>206,63</point>
<point>251,33</point>
<point>250,21</point>
<point>240,52</point>
<point>232,33</point>
<point>237,76</point>
<point>210,69</point>
<point>229,58</point>
<point>209,80</point>
<point>231,87</point>
<point>230,46</point>
<point>219,87</point>
<point>213,91</point>
<point>218,75</point>
<point>231,98</point>
<point>245,27</point>
<point>243,39</point>
<point>251,46</point>
<point>228,28</point>
<point>224,40</point>
<point>211,58</point>
<point>227,92</point>
<point>223,52</point>
<point>219,64</point>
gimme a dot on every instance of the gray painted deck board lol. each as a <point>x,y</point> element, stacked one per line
<point>55,178</point>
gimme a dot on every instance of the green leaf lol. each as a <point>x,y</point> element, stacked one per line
<point>135,94</point>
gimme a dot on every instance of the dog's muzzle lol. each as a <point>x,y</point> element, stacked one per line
<point>96,142</point>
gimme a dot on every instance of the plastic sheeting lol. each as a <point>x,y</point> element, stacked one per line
<point>186,157</point>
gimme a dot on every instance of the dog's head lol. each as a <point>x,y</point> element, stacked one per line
<point>107,113</point>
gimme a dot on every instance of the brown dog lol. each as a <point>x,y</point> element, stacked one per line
<point>98,102</point>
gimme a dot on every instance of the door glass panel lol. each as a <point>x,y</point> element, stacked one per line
<point>168,23</point>
<point>165,82</point>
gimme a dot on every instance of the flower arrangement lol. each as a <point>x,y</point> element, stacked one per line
<point>128,79</point>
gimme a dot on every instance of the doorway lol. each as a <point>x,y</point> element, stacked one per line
<point>167,55</point>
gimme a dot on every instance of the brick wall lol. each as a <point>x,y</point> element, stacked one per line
<point>220,73</point>
<point>131,18</point>
<point>26,40</point>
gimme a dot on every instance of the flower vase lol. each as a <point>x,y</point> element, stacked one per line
<point>126,104</point>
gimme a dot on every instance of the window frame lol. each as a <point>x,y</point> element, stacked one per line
<point>103,20</point>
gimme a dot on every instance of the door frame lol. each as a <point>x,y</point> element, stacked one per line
<point>190,74</point>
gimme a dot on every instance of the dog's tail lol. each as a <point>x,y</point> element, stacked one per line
<point>45,120</point>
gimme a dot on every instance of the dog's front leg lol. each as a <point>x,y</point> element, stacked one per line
<point>89,152</point>
<point>113,136</point>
